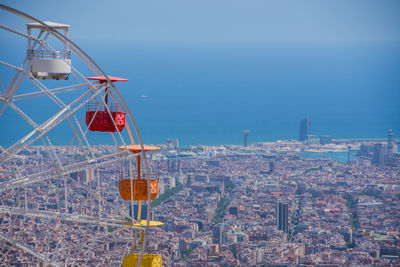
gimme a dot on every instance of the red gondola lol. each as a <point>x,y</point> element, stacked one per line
<point>98,118</point>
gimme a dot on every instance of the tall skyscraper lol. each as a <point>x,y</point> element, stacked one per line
<point>218,234</point>
<point>304,129</point>
<point>348,154</point>
<point>245,133</point>
<point>379,154</point>
<point>173,165</point>
<point>182,246</point>
<point>271,166</point>
<point>390,142</point>
<point>282,214</point>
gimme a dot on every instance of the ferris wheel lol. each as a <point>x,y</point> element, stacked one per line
<point>75,185</point>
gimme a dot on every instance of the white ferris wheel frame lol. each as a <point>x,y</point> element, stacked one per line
<point>8,98</point>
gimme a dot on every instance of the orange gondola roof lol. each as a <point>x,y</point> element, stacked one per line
<point>103,79</point>
<point>137,148</point>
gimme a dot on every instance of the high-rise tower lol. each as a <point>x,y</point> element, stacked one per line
<point>282,216</point>
<point>245,133</point>
<point>348,154</point>
<point>218,234</point>
<point>379,154</point>
<point>304,129</point>
<point>390,142</point>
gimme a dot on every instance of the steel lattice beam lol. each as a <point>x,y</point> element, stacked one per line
<point>28,250</point>
<point>53,215</point>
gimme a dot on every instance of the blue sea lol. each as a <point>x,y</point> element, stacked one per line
<point>204,93</point>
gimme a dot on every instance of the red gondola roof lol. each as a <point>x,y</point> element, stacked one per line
<point>103,79</point>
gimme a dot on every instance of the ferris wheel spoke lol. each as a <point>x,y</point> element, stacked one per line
<point>82,55</point>
<point>95,240</point>
<point>45,127</point>
<point>16,81</point>
<point>26,181</point>
<point>52,173</point>
<point>112,233</point>
<point>10,66</point>
<point>79,126</point>
<point>23,115</point>
<point>28,250</point>
<point>54,215</point>
<point>119,211</point>
<point>76,135</point>
<point>37,39</point>
<point>45,90</point>
<point>2,86</point>
<point>80,77</point>
<point>8,92</point>
<point>60,168</point>
<point>83,134</point>
<point>59,90</point>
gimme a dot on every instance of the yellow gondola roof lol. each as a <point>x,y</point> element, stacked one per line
<point>143,223</point>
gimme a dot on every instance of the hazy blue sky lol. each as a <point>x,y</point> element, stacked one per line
<point>224,20</point>
<point>346,90</point>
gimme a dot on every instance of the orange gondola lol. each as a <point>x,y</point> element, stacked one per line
<point>139,189</point>
<point>138,185</point>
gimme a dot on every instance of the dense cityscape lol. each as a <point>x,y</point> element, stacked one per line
<point>80,187</point>
<point>262,204</point>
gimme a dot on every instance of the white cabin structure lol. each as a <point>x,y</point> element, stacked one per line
<point>44,61</point>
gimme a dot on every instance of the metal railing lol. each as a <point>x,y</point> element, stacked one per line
<point>96,106</point>
<point>151,176</point>
<point>42,54</point>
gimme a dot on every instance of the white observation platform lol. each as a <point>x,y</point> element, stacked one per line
<point>44,61</point>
